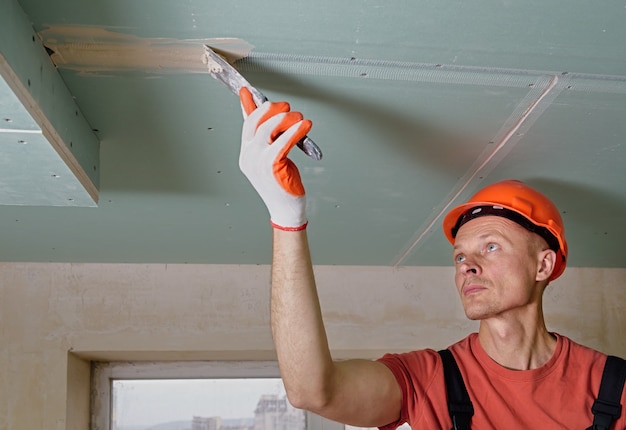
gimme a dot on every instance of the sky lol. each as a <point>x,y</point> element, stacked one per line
<point>150,402</point>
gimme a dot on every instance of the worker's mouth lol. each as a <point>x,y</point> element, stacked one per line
<point>472,288</point>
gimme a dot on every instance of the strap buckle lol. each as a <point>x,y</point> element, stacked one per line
<point>605,413</point>
<point>461,414</point>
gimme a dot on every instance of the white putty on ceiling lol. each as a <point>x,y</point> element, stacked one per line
<point>88,49</point>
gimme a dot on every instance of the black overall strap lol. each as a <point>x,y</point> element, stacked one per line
<point>607,408</point>
<point>459,403</point>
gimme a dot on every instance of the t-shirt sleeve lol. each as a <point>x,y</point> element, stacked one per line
<point>415,372</point>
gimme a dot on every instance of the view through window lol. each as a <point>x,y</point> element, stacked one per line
<point>206,404</point>
<point>203,404</point>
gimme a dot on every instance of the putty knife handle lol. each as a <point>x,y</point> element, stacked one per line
<point>307,145</point>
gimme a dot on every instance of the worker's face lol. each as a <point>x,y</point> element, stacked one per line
<point>499,267</point>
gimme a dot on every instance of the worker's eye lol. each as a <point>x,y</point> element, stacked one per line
<point>459,258</point>
<point>491,247</point>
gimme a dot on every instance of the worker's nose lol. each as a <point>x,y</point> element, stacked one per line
<point>470,267</point>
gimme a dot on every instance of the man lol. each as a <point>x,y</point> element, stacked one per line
<point>509,244</point>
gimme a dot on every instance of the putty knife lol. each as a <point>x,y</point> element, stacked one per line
<point>233,80</point>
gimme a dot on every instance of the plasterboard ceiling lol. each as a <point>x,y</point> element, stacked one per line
<point>415,106</point>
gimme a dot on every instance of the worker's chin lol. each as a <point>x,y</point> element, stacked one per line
<point>474,317</point>
<point>477,313</point>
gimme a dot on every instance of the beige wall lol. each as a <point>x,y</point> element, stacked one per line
<point>54,318</point>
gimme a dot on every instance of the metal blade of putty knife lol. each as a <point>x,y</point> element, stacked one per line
<point>221,70</point>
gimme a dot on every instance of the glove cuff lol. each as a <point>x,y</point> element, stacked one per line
<point>288,213</point>
<point>280,227</point>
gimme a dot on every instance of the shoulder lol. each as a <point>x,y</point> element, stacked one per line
<point>414,370</point>
<point>410,364</point>
<point>576,347</point>
<point>420,376</point>
<point>421,364</point>
<point>579,357</point>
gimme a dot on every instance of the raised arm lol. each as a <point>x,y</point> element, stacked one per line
<point>358,392</point>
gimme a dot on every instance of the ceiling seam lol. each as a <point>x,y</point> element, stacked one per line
<point>422,72</point>
<point>487,161</point>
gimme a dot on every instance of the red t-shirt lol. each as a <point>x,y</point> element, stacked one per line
<point>558,395</point>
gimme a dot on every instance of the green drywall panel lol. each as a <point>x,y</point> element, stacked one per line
<point>34,94</point>
<point>32,172</point>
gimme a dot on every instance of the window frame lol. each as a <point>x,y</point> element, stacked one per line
<point>104,373</point>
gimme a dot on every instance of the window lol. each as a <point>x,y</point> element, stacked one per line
<point>195,396</point>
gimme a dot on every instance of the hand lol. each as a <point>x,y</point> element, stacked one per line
<point>269,132</point>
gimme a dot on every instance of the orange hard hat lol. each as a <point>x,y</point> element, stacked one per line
<point>518,202</point>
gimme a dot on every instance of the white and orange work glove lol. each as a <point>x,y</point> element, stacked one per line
<point>269,132</point>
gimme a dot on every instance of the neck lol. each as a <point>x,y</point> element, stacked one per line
<point>515,343</point>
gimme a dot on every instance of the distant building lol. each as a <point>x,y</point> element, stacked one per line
<point>272,413</point>
<point>210,423</point>
<point>238,424</point>
<point>275,413</point>
<point>217,423</point>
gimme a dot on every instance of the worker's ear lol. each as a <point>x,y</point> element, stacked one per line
<point>545,264</point>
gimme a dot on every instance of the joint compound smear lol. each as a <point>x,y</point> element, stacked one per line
<point>212,65</point>
<point>88,49</point>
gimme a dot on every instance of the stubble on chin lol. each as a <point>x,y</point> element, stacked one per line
<point>478,311</point>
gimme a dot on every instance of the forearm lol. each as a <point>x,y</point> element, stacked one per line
<point>361,392</point>
<point>304,358</point>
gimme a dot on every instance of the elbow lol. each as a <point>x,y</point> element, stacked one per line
<point>298,401</point>
<point>309,398</point>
